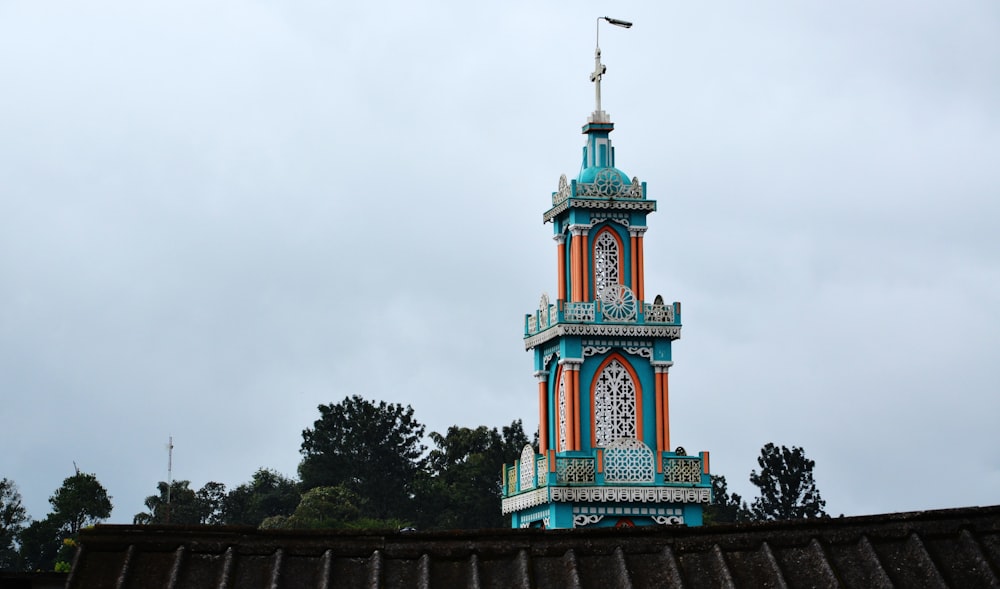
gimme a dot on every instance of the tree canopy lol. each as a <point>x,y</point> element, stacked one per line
<point>371,449</point>
<point>81,501</point>
<point>183,505</point>
<point>13,518</point>
<point>461,487</point>
<point>268,494</point>
<point>787,487</point>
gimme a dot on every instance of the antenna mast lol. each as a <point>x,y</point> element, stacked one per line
<point>170,472</point>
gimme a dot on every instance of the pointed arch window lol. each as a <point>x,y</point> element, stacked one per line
<point>607,262</point>
<point>615,412</point>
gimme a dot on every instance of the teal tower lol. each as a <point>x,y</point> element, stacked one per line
<point>602,357</point>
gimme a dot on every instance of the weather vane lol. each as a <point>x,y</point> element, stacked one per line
<point>600,68</point>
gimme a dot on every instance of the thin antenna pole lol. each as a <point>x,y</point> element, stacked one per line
<point>170,473</point>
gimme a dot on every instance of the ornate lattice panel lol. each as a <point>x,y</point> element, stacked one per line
<point>627,460</point>
<point>614,404</point>
<point>579,311</point>
<point>682,470</point>
<point>563,417</point>
<point>542,467</point>
<point>511,480</point>
<point>606,259</point>
<point>527,468</point>
<point>658,312</point>
<point>574,470</point>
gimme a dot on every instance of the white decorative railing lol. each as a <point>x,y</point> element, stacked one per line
<point>579,311</point>
<point>658,313</point>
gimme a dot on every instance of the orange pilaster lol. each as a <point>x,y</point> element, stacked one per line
<point>576,409</point>
<point>561,264</point>
<point>543,417</point>
<point>575,272</point>
<point>633,248</point>
<point>570,409</point>
<point>666,410</point>
<point>585,264</point>
<point>659,422</point>
<point>640,294</point>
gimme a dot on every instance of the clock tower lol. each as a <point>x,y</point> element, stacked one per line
<point>602,356</point>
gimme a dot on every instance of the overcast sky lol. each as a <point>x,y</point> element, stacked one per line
<point>217,215</point>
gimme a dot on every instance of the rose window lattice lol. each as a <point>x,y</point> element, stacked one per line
<point>618,303</point>
<point>606,260</point>
<point>527,468</point>
<point>627,460</point>
<point>614,404</point>
<point>608,182</point>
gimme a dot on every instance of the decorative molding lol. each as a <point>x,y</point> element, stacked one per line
<point>641,351</point>
<point>630,495</point>
<point>587,203</point>
<point>599,330</point>
<point>559,238</point>
<point>524,501</point>
<point>582,520</point>
<point>668,520</point>
<point>618,303</point>
<point>636,231</point>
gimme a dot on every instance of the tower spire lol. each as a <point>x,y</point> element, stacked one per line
<point>600,69</point>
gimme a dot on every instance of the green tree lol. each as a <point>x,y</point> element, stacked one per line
<point>13,518</point>
<point>183,505</point>
<point>461,487</point>
<point>726,507</point>
<point>787,488</point>
<point>40,544</point>
<point>81,501</point>
<point>372,450</point>
<point>268,494</point>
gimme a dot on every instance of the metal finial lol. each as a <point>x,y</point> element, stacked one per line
<point>600,68</point>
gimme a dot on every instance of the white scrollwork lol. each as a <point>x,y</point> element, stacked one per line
<point>563,192</point>
<point>668,520</point>
<point>524,501</point>
<point>630,494</point>
<point>627,460</point>
<point>604,330</point>
<point>616,205</point>
<point>585,520</point>
<point>614,404</point>
<point>594,350</point>
<point>642,352</point>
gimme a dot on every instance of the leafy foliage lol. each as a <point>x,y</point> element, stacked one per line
<point>372,450</point>
<point>183,505</point>
<point>13,518</point>
<point>725,508</point>
<point>40,545</point>
<point>268,494</point>
<point>81,501</point>
<point>461,487</point>
<point>787,488</point>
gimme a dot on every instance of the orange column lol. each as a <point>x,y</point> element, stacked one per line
<point>584,265</point>
<point>666,410</point>
<point>634,257</point>
<point>641,278</point>
<point>575,270</point>
<point>543,412</point>
<point>659,421</point>
<point>561,264</point>
<point>576,408</point>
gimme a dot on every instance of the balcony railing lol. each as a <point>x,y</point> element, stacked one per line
<point>573,312</point>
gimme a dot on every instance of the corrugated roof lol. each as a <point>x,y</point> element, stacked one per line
<point>948,548</point>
